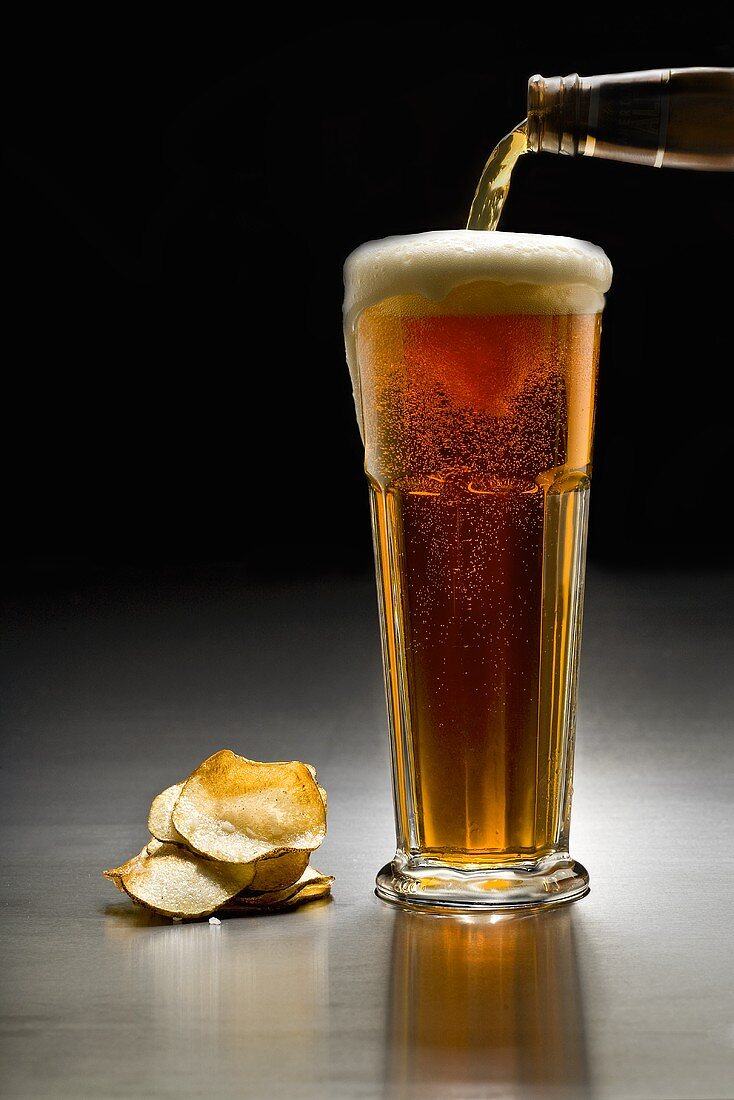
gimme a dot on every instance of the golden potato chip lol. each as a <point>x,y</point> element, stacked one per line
<point>311,892</point>
<point>116,873</point>
<point>117,879</point>
<point>279,872</point>
<point>311,884</point>
<point>176,883</point>
<point>260,899</point>
<point>159,818</point>
<point>322,792</point>
<point>238,810</point>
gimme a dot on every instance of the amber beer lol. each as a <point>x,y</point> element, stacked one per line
<point>474,362</point>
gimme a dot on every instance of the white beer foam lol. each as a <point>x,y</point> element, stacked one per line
<point>433,264</point>
<point>571,275</point>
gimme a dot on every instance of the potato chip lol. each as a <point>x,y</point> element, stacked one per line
<point>176,883</point>
<point>117,879</point>
<point>322,792</point>
<point>312,892</point>
<point>116,873</point>
<point>238,810</point>
<point>310,885</point>
<point>279,872</point>
<point>159,818</point>
<point>261,899</point>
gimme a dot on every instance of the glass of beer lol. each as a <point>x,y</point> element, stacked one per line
<point>473,358</point>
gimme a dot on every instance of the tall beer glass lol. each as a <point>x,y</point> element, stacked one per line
<point>473,358</point>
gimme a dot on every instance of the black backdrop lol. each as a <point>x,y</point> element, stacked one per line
<point>180,199</point>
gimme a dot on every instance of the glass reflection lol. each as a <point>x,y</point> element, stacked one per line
<point>485,1006</point>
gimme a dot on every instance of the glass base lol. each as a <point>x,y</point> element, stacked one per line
<point>414,880</point>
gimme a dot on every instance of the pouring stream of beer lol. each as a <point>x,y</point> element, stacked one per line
<point>494,184</point>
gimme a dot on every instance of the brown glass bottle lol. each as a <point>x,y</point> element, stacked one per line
<point>679,118</point>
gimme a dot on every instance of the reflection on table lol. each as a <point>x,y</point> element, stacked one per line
<point>485,1005</point>
<point>251,997</point>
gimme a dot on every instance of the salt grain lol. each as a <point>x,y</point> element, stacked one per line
<point>214,920</point>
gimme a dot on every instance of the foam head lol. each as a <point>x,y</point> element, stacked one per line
<point>509,272</point>
<point>434,264</point>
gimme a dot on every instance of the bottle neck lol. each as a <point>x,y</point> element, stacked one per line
<point>661,117</point>
<point>623,115</point>
<point>558,113</point>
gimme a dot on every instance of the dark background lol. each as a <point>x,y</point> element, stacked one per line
<point>180,199</point>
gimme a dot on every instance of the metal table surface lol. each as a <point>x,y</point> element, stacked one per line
<point>115,691</point>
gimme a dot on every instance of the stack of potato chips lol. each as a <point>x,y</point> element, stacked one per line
<point>237,835</point>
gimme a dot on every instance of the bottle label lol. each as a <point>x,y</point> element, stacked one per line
<point>631,117</point>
